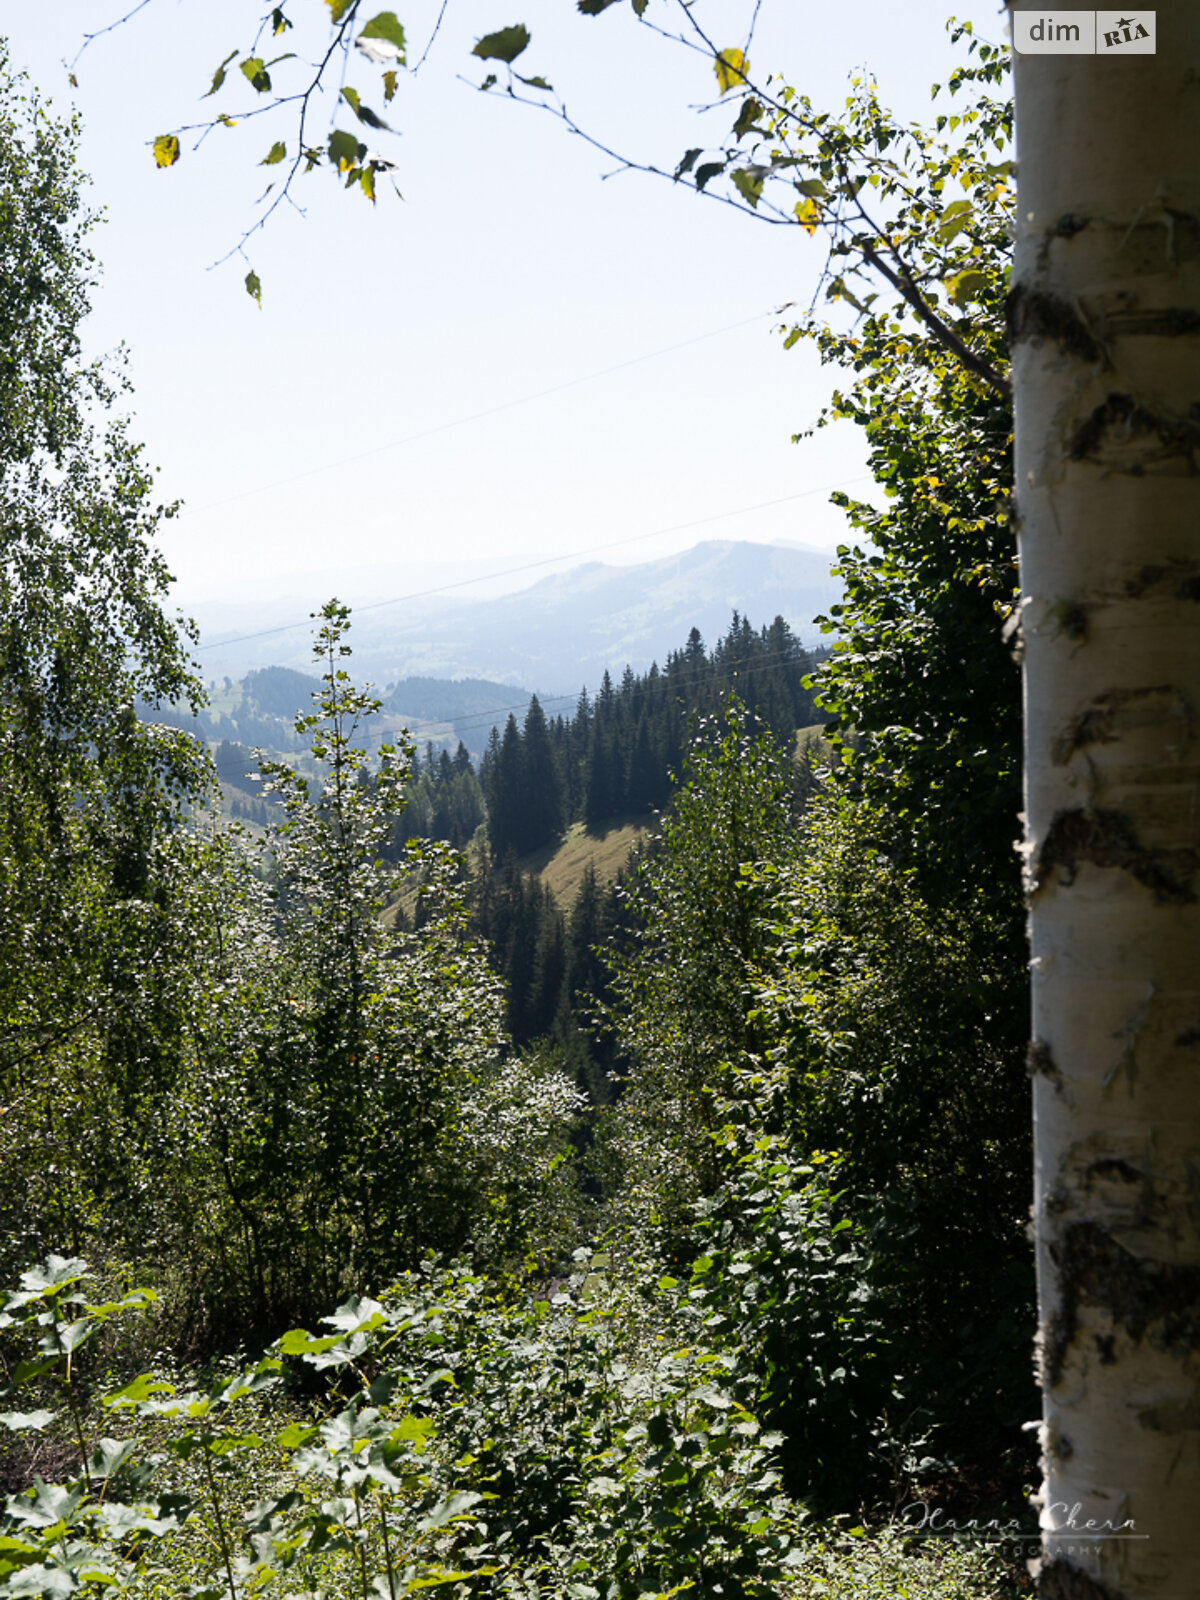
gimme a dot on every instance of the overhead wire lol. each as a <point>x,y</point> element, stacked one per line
<point>545,561</point>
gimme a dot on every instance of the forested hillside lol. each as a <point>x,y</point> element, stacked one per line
<point>673,1244</point>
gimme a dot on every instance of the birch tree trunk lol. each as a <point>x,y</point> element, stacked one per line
<point>1105,333</point>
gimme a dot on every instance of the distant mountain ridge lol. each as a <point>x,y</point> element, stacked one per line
<point>560,633</point>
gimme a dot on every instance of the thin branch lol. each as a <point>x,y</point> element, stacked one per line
<point>99,33</point>
<point>437,28</point>
<point>941,330</point>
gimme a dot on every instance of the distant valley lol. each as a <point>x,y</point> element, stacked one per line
<point>553,637</point>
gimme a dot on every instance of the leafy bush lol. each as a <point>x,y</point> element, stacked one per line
<point>500,1443</point>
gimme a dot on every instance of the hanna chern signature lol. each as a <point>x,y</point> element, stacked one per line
<point>1060,1520</point>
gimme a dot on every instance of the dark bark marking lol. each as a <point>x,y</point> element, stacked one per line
<point>1099,724</point>
<point>1032,314</point>
<point>1060,1580</point>
<point>1124,436</point>
<point>1138,1295</point>
<point>1108,839</point>
<point>1114,1167</point>
<point>1072,618</point>
<point>1183,577</point>
<point>1039,1062</point>
<point>1172,322</point>
<point>1172,1416</point>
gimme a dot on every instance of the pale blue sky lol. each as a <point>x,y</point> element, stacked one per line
<point>510,268</point>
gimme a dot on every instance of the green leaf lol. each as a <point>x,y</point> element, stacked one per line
<point>535,83</point>
<point>813,187</point>
<point>363,112</point>
<point>689,161</point>
<point>593,8</point>
<point>746,117</point>
<point>339,8</point>
<point>19,1421</point>
<point>505,45</point>
<point>56,1272</point>
<point>455,1505</point>
<point>384,38</point>
<point>254,287</point>
<point>254,69</point>
<point>274,155</point>
<point>344,150</point>
<point>749,183</point>
<point>709,171</point>
<point>166,150</point>
<point>966,286</point>
<point>137,1392</point>
<point>219,75</point>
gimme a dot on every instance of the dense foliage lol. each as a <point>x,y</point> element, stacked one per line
<point>600,1323</point>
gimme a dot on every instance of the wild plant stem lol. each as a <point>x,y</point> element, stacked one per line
<point>222,1539</point>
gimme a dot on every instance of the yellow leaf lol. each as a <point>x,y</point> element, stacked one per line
<point>807,215</point>
<point>731,68</point>
<point>166,150</point>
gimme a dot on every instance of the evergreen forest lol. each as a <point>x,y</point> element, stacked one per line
<point>369,1221</point>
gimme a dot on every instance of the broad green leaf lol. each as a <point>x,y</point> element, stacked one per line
<point>298,1342</point>
<point>505,45</point>
<point>356,1313</point>
<point>255,71</point>
<point>275,154</point>
<point>295,1435</point>
<point>279,23</point>
<point>18,1421</point>
<point>109,1456</point>
<point>688,161</point>
<point>455,1505</point>
<point>228,1444</point>
<point>339,8</point>
<point>813,187</point>
<point>219,75</point>
<point>731,68</point>
<point>56,1272</point>
<point>166,150</point>
<point>383,39</point>
<point>966,286</point>
<point>593,8</point>
<point>56,1583</point>
<point>749,183</point>
<point>389,85</point>
<point>137,1392</point>
<point>345,150</point>
<point>254,287</point>
<point>709,171</point>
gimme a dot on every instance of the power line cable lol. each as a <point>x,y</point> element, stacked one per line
<point>547,561</point>
<point>478,416</point>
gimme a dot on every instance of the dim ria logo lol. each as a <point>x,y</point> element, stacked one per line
<point>1084,33</point>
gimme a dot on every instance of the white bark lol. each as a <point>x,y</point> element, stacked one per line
<point>1106,346</point>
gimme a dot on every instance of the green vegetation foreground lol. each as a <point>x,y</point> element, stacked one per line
<point>790,1277</point>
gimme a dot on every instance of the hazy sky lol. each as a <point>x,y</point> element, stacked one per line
<point>341,435</point>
